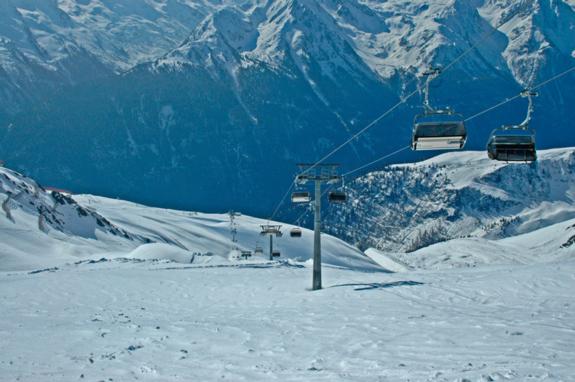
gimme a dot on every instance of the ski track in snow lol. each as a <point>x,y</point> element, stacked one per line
<point>146,321</point>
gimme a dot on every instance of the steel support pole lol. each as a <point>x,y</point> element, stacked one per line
<point>271,247</point>
<point>317,238</point>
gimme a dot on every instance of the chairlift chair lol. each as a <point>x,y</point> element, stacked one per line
<point>439,130</point>
<point>276,254</point>
<point>300,197</point>
<point>515,143</point>
<point>337,197</point>
<point>512,144</point>
<point>295,232</point>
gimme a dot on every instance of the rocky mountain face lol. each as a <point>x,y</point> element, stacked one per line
<point>209,104</point>
<point>26,205</point>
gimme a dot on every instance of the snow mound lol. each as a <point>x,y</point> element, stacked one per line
<point>545,245</point>
<point>161,251</point>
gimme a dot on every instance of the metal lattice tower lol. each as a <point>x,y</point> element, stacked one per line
<point>234,229</point>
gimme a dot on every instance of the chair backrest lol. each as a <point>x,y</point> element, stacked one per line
<point>337,197</point>
<point>300,197</point>
<point>512,144</point>
<point>431,129</point>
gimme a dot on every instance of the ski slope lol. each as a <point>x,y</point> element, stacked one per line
<point>157,295</point>
<point>152,321</point>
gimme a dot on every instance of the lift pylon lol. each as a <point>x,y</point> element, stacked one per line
<point>317,174</point>
<point>271,230</point>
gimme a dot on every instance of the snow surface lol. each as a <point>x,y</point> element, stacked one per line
<point>549,244</point>
<point>166,300</point>
<point>155,321</point>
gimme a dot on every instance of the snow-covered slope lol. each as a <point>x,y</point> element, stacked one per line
<point>163,322</point>
<point>554,243</point>
<point>41,229</point>
<point>456,195</point>
<point>202,233</point>
<point>117,291</point>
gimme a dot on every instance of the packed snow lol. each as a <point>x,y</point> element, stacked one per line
<point>124,321</point>
<point>170,301</point>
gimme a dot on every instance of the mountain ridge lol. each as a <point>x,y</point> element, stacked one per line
<point>254,87</point>
<point>405,207</point>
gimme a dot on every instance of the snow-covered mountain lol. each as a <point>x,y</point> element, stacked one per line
<point>118,34</point>
<point>387,37</point>
<point>454,210</point>
<point>116,97</point>
<point>458,195</point>
<point>41,227</point>
<point>110,306</point>
<point>46,229</point>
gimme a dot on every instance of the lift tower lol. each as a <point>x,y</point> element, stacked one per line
<point>317,174</point>
<point>271,231</point>
<point>234,228</point>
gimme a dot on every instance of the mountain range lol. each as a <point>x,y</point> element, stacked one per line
<point>208,105</point>
<point>455,210</point>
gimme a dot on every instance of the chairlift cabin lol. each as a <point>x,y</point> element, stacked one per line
<point>276,254</point>
<point>515,143</point>
<point>295,232</point>
<point>337,197</point>
<point>300,197</point>
<point>512,144</point>
<point>439,130</point>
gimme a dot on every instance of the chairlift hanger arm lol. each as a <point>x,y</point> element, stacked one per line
<point>430,75</point>
<point>529,94</point>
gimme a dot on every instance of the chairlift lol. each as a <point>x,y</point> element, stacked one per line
<point>295,232</point>
<point>337,197</point>
<point>514,143</point>
<point>437,129</point>
<point>276,254</point>
<point>300,197</point>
